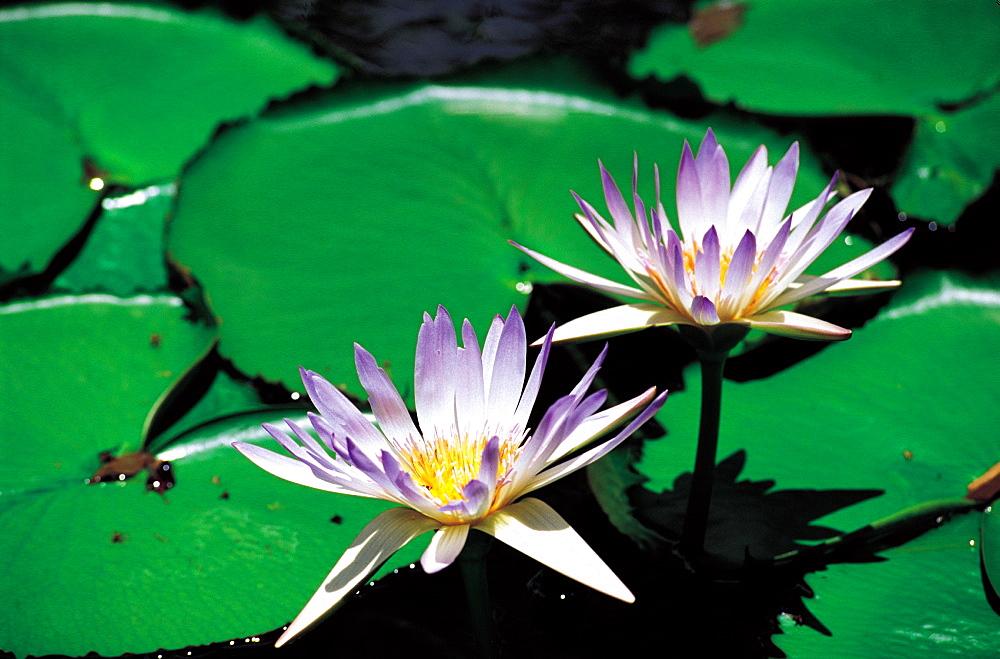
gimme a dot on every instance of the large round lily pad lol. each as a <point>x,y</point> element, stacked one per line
<point>72,113</point>
<point>110,567</point>
<point>345,219</point>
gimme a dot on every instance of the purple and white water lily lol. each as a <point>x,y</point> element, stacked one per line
<point>734,256</point>
<point>465,464</point>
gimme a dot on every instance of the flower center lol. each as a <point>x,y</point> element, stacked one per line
<point>444,465</point>
<point>691,251</point>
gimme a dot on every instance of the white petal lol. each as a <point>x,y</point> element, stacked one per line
<point>376,543</point>
<point>797,325</point>
<point>859,285</point>
<point>584,277</point>
<point>444,548</point>
<point>617,320</point>
<point>533,528</point>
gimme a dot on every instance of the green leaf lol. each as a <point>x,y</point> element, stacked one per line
<point>926,601</point>
<point>99,567</point>
<point>95,567</point>
<point>302,254</point>
<point>878,412</point>
<point>951,163</point>
<point>79,374</point>
<point>854,57</point>
<point>124,252</point>
<point>66,120</point>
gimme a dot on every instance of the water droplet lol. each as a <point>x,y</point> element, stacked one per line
<point>972,543</point>
<point>524,287</point>
<point>848,240</point>
<point>901,217</point>
<point>932,226</point>
<point>940,127</point>
<point>296,395</point>
<point>96,183</point>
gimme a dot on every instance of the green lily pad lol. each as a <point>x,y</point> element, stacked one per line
<point>37,187</point>
<point>124,252</point>
<point>96,567</point>
<point>952,161</point>
<point>82,372</point>
<point>88,567</point>
<point>193,71</point>
<point>345,219</point>
<point>876,412</point>
<point>926,601</point>
<point>858,57</point>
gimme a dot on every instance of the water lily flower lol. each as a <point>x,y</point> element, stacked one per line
<point>465,464</point>
<point>734,257</point>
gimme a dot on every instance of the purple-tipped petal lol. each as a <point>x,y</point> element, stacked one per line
<point>338,409</point>
<point>470,392</point>
<point>780,191</point>
<point>707,265</point>
<point>434,372</point>
<point>846,271</point>
<point>562,469</point>
<point>291,470</point>
<point>690,212</point>
<point>703,311</point>
<point>741,265</point>
<point>490,351</point>
<point>616,202</point>
<point>390,411</point>
<point>507,378</point>
<point>527,402</point>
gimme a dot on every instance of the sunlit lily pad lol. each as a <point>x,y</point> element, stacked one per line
<point>72,113</point>
<point>877,412</point>
<point>857,57</point>
<point>80,374</point>
<point>91,567</point>
<point>345,219</point>
<point>926,601</point>
<point>100,567</point>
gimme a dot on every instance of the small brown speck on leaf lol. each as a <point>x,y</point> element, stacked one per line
<point>716,22</point>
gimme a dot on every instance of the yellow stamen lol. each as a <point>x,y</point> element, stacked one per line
<point>443,466</point>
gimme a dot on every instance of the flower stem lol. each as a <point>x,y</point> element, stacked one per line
<point>477,593</point>
<point>700,497</point>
